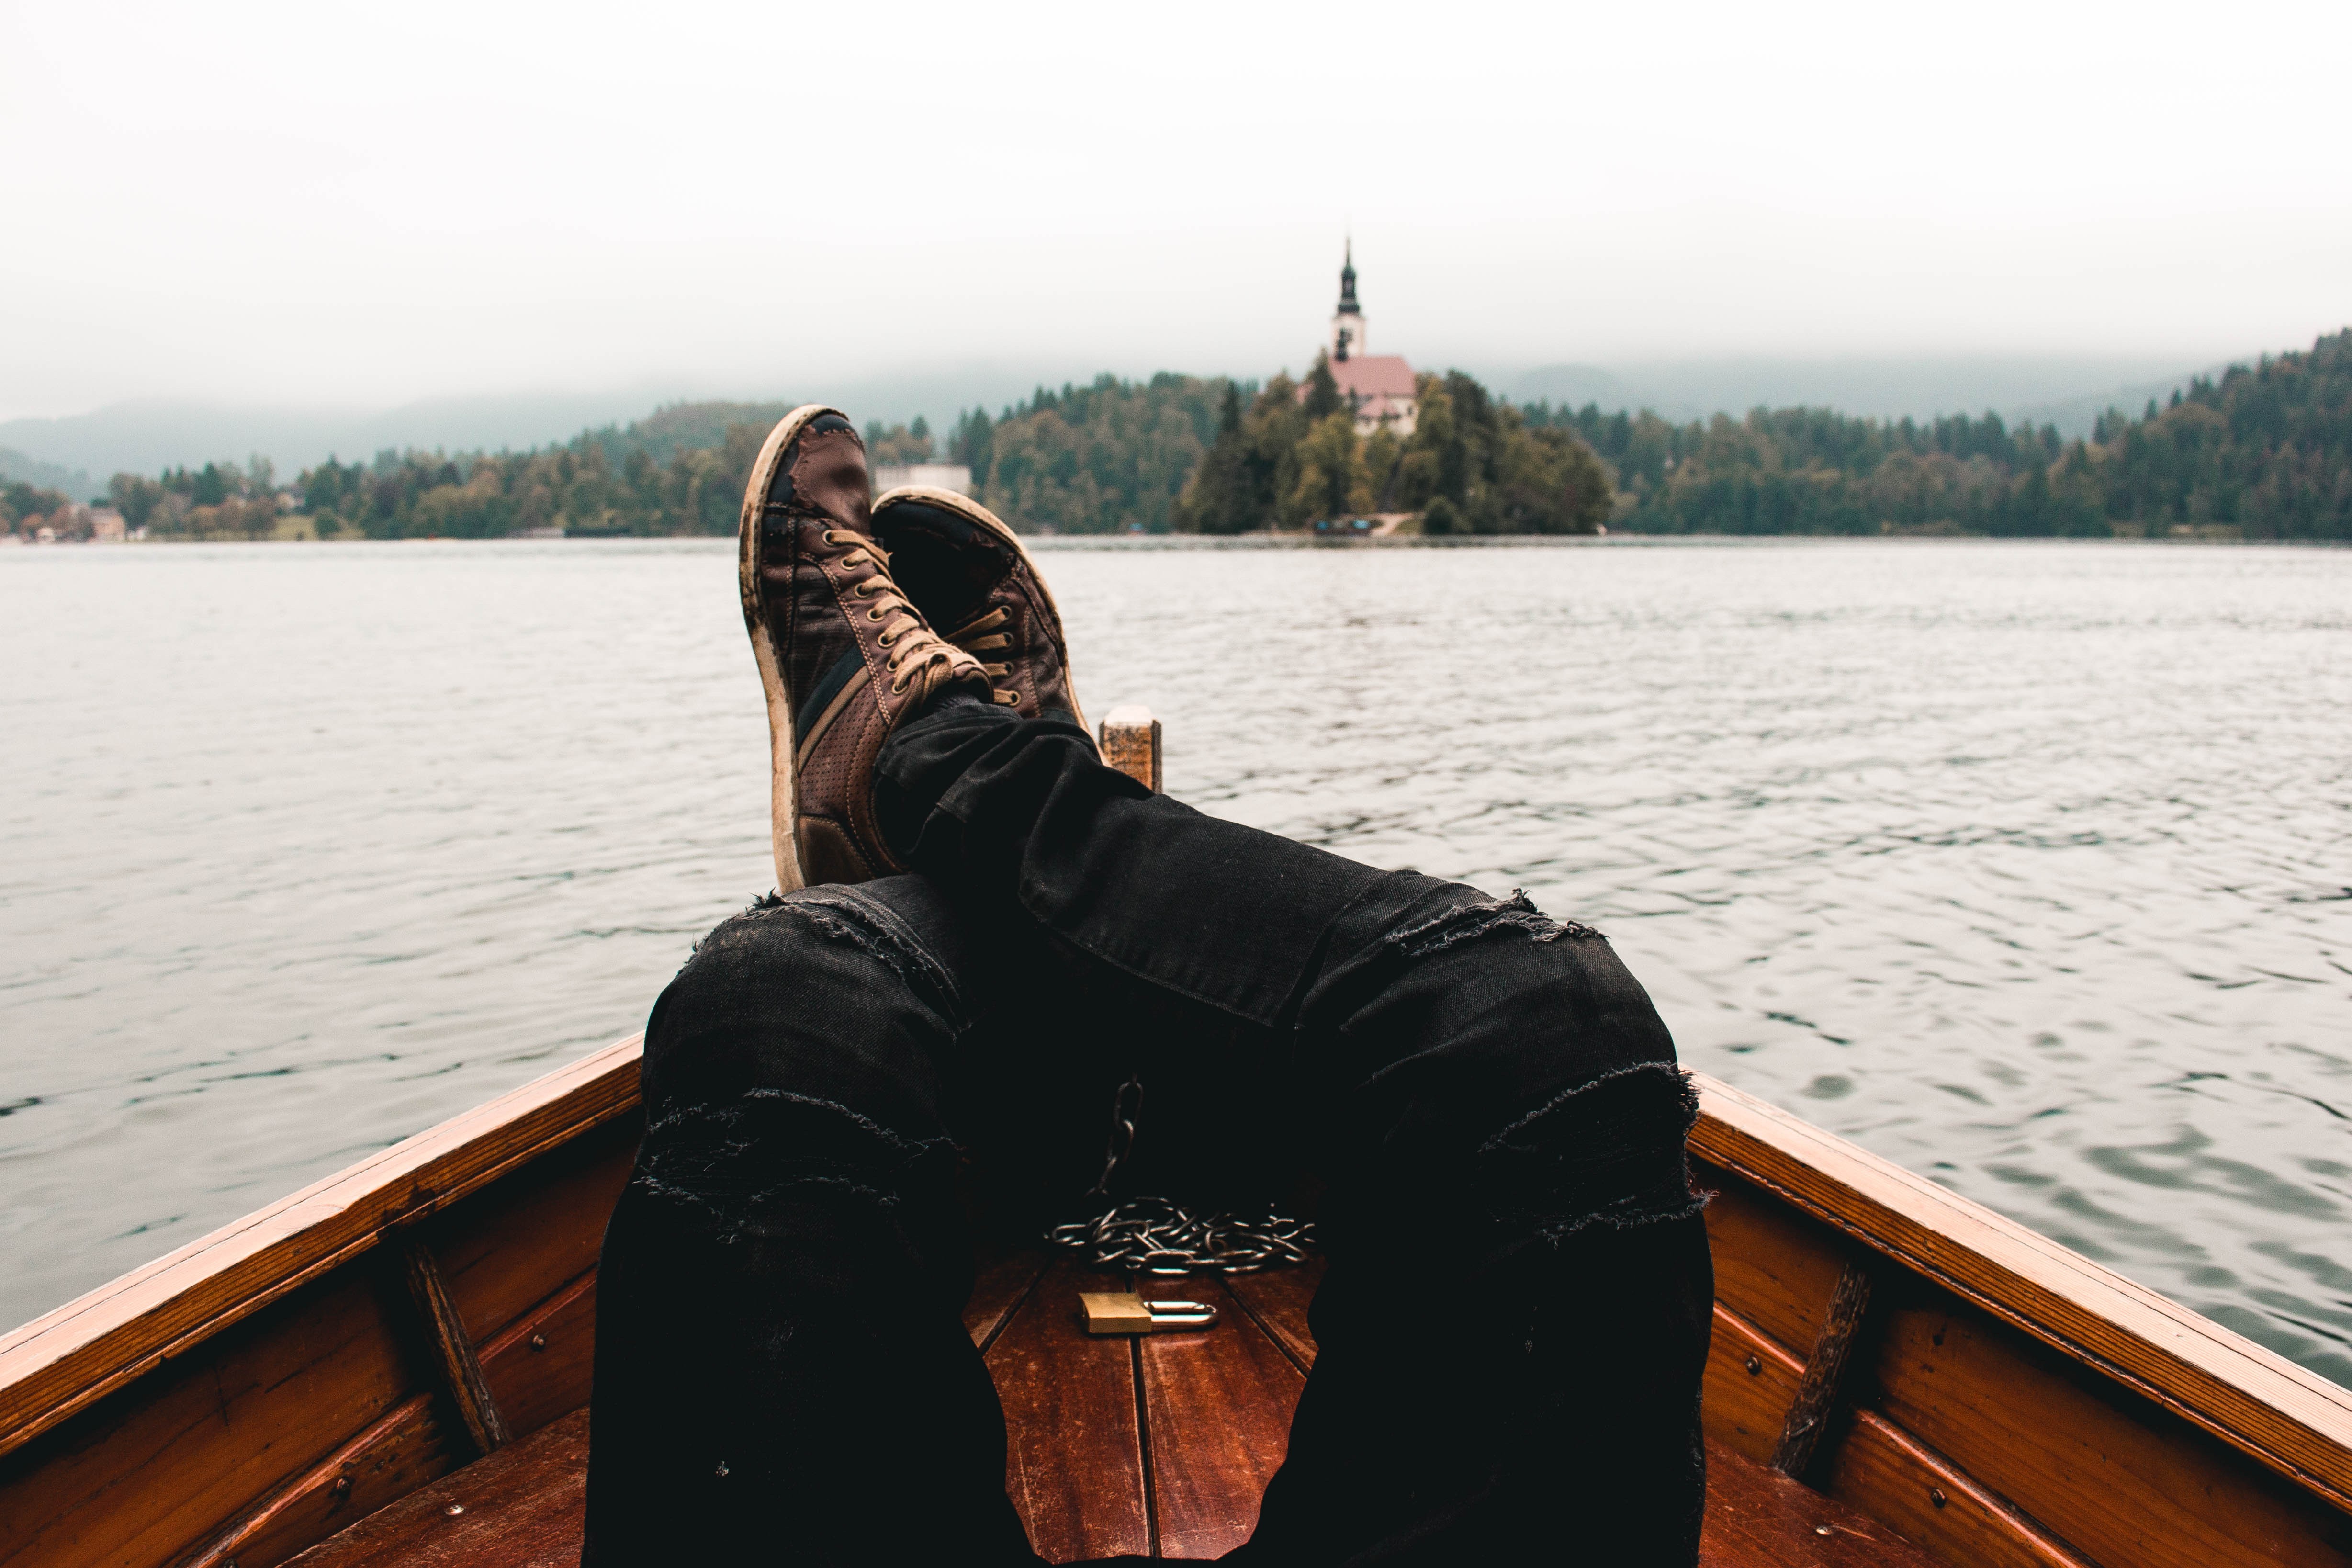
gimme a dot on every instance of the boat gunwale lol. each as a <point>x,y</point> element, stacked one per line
<point>68,1359</point>
<point>2290,1420</point>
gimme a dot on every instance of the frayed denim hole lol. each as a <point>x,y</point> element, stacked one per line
<point>1612,1151</point>
<point>739,1165</point>
<point>845,920</point>
<point>1468,921</point>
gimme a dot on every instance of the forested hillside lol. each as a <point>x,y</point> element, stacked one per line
<point>2265,450</point>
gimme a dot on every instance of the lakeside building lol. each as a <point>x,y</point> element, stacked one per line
<point>953,476</point>
<point>1378,388</point>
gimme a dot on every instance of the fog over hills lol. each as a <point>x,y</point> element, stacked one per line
<point>78,452</point>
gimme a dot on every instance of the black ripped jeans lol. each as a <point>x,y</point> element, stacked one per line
<point>782,1374</point>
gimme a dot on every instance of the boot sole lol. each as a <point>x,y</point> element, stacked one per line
<point>971,511</point>
<point>784,799</point>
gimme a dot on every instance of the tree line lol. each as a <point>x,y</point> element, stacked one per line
<point>2265,449</point>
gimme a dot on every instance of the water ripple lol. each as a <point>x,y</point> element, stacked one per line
<point>2023,864</point>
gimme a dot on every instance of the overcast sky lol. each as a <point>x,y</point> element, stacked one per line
<point>311,202</point>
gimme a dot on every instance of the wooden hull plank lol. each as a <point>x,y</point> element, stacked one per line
<point>1751,1383</point>
<point>1074,1445</point>
<point>2115,1485</point>
<point>2287,1418</point>
<point>523,1507</point>
<point>68,1359</point>
<point>1758,1518</point>
<point>1217,1406</point>
<point>1278,1299</point>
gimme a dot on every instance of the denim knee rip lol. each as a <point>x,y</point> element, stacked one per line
<point>1466,921</point>
<point>1609,1153</point>
<point>849,919</point>
<point>740,1166</point>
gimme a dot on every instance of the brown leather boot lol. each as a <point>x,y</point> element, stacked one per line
<point>844,656</point>
<point>967,571</point>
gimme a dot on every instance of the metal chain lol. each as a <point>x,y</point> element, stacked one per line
<point>1157,1236</point>
<point>1160,1235</point>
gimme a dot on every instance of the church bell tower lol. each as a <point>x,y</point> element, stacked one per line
<point>1347,337</point>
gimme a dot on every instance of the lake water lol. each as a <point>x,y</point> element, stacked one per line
<point>2026,866</point>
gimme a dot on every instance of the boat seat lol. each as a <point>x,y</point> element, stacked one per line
<point>1205,1412</point>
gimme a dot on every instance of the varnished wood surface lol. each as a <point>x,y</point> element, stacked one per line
<point>1817,1400</point>
<point>1758,1518</point>
<point>1217,1405</point>
<point>523,1507</point>
<point>66,1359</point>
<point>467,1391</point>
<point>2293,1421</point>
<point>1073,1435</point>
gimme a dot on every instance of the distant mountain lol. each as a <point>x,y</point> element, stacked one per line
<point>2069,392</point>
<point>15,465</point>
<point>147,438</point>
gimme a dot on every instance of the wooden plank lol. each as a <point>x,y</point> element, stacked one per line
<point>2293,1421</point>
<point>1774,1266</point>
<point>460,1368</point>
<point>1129,740</point>
<point>540,1367</point>
<point>2117,1482</point>
<point>1758,1518</point>
<point>376,1470</point>
<point>1217,1405</point>
<point>147,1477</point>
<point>1277,1299</point>
<point>524,1507</point>
<point>1074,1445</point>
<point>503,1250</point>
<point>1751,1381</point>
<point>68,1359</point>
<point>1885,1472</point>
<point>1003,1283</point>
<point>1825,1366</point>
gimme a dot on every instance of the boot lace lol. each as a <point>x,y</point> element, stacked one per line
<point>982,637</point>
<point>914,646</point>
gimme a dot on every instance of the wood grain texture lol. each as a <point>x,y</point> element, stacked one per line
<point>1774,1266</point>
<point>1826,1369</point>
<point>1882,1470</point>
<point>1751,1381</point>
<point>1278,1299</point>
<point>68,1359</point>
<point>376,1470</point>
<point>1218,1403</point>
<point>2293,1421</point>
<point>2116,1484</point>
<point>1074,1446</point>
<point>1129,739</point>
<point>1002,1281</point>
<point>154,1472</point>
<point>503,1249</point>
<point>523,1507</point>
<point>540,1367</point>
<point>454,1358</point>
<point>1758,1518</point>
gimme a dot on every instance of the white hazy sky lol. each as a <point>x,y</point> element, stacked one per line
<point>362,205</point>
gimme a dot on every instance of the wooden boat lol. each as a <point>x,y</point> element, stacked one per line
<point>392,1366</point>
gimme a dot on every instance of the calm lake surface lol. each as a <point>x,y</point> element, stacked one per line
<point>2027,865</point>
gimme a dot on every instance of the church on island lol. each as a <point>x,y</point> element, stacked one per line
<point>1379,387</point>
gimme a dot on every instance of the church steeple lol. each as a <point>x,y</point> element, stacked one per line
<point>1347,334</point>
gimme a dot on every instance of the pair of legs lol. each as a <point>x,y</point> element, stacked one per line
<point>1514,1322</point>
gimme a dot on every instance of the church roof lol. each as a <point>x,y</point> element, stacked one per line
<point>1373,375</point>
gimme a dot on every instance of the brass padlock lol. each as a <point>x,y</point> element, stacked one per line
<point>1117,1313</point>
